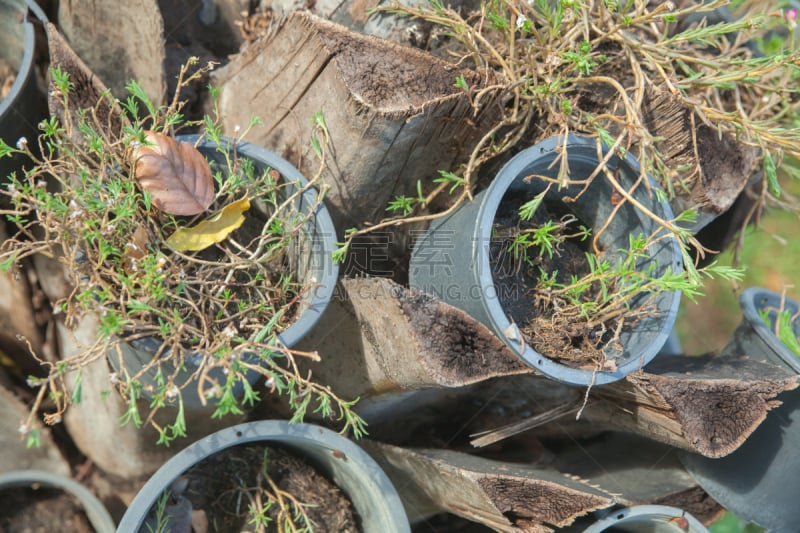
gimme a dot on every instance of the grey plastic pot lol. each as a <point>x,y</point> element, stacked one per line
<point>373,496</point>
<point>98,516</point>
<point>760,481</point>
<point>311,260</point>
<point>648,519</point>
<point>452,259</point>
<point>23,107</point>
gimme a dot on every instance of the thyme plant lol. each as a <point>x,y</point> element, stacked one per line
<point>220,307</point>
<point>604,68</point>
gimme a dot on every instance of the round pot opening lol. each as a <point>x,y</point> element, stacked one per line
<point>309,257</point>
<point>648,519</point>
<point>374,499</point>
<point>63,501</point>
<point>453,260</point>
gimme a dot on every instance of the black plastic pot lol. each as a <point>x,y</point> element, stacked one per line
<point>760,481</point>
<point>373,496</point>
<point>23,107</point>
<point>452,259</point>
<point>311,259</point>
<point>648,519</point>
<point>98,516</point>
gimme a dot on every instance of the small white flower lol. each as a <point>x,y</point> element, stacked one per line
<point>521,20</point>
<point>113,378</point>
<point>210,65</point>
<point>22,143</point>
<point>229,331</point>
<point>23,428</point>
<point>236,128</point>
<point>173,392</point>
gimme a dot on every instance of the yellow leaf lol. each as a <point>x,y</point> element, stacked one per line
<point>210,231</point>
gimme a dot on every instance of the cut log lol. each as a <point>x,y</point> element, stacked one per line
<point>706,404</point>
<point>393,113</point>
<point>720,166</point>
<point>504,496</point>
<point>120,41</point>
<point>377,337</point>
<point>88,87</point>
<point>379,340</point>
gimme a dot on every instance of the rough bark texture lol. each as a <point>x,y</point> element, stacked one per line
<point>695,502</point>
<point>88,87</point>
<point>726,165</point>
<point>707,404</point>
<point>393,113</point>
<point>503,496</point>
<point>377,336</point>
<point>120,41</point>
<point>711,414</point>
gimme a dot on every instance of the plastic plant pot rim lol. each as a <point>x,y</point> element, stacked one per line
<point>29,44</point>
<point>486,214</point>
<point>97,514</point>
<point>651,516</point>
<point>754,298</point>
<point>292,436</point>
<point>26,64</point>
<point>322,219</point>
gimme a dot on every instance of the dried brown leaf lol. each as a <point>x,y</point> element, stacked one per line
<point>176,175</point>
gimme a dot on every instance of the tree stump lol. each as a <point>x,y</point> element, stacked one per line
<point>393,113</point>
<point>119,41</point>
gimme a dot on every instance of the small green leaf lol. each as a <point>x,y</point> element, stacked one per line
<point>771,173</point>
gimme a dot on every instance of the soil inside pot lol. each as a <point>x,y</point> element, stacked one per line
<point>546,321</point>
<point>41,510</point>
<point>7,77</point>
<point>228,485</point>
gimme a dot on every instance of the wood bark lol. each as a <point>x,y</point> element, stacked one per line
<point>708,404</point>
<point>504,496</point>
<point>119,41</point>
<point>88,88</point>
<point>377,337</point>
<point>393,113</point>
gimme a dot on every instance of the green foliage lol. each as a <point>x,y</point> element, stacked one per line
<point>730,523</point>
<point>81,204</point>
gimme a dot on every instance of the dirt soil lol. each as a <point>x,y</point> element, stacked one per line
<point>214,486</point>
<point>7,77</point>
<point>43,510</point>
<point>552,334</point>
